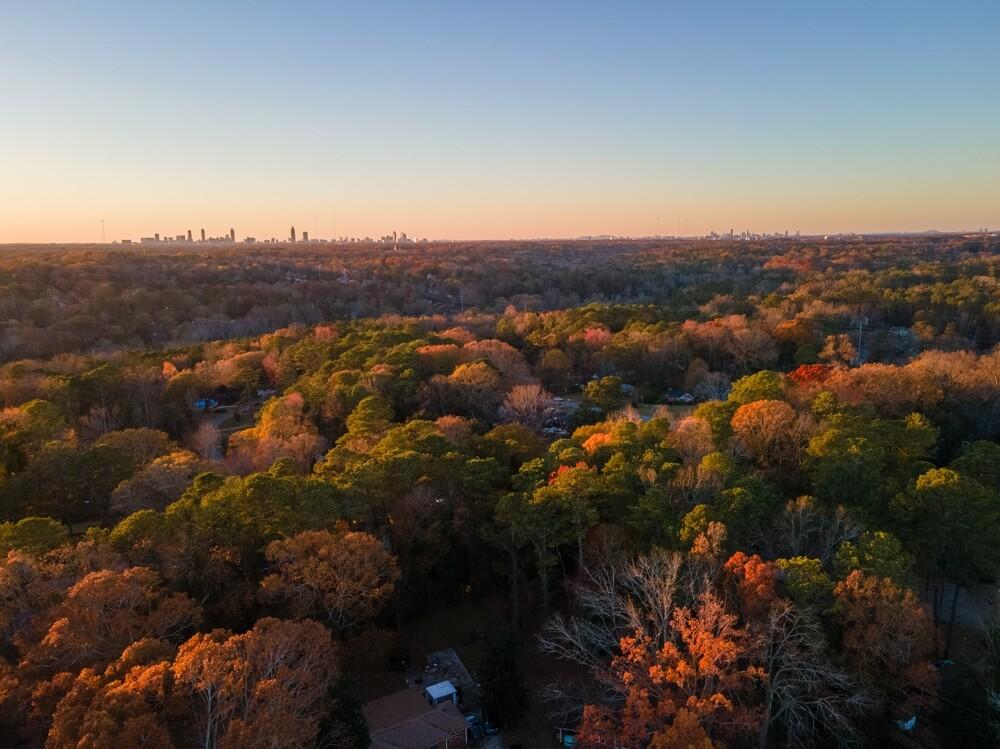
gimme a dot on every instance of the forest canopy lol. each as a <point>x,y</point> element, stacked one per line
<point>725,494</point>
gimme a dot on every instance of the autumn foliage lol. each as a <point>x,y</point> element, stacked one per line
<point>682,691</point>
<point>344,578</point>
<point>757,513</point>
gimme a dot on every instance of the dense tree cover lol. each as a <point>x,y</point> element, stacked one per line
<point>194,538</point>
<point>79,299</point>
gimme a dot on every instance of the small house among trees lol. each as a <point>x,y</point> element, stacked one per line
<point>407,720</point>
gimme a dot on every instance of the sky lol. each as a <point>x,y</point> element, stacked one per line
<point>478,120</point>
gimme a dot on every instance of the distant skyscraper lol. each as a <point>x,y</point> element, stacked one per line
<point>202,235</point>
<point>189,235</point>
<point>157,236</point>
<point>305,236</point>
<point>232,234</point>
<point>293,234</point>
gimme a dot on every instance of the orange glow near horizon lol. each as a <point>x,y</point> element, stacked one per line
<point>479,121</point>
<point>522,216</point>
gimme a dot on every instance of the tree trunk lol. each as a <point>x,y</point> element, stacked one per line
<point>936,607</point>
<point>765,726</point>
<point>938,597</point>
<point>545,588</point>
<point>514,594</point>
<point>951,621</point>
<point>543,573</point>
<point>398,606</point>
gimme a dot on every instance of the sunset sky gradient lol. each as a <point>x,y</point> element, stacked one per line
<point>495,120</point>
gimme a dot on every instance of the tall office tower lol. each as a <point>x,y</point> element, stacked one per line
<point>293,234</point>
<point>232,234</point>
<point>305,236</point>
<point>202,235</point>
<point>189,235</point>
<point>157,237</point>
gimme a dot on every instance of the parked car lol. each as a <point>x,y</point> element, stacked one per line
<point>476,729</point>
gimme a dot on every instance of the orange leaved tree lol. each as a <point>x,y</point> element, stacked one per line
<point>262,689</point>
<point>343,577</point>
<point>688,690</point>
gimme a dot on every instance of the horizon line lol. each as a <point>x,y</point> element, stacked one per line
<point>711,236</point>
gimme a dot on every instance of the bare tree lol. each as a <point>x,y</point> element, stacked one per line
<point>807,529</point>
<point>806,695</point>
<point>530,405</point>
<point>628,413</point>
<point>100,420</point>
<point>205,441</point>
<point>614,599</point>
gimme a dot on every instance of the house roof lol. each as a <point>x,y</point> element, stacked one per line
<point>446,718</point>
<point>413,735</point>
<point>404,720</point>
<point>393,709</point>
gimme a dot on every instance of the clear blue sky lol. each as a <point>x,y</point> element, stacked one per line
<point>497,119</point>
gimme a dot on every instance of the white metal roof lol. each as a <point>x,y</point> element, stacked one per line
<point>441,690</point>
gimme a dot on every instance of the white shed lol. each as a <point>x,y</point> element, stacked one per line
<point>443,691</point>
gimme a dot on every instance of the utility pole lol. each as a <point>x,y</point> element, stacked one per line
<point>861,324</point>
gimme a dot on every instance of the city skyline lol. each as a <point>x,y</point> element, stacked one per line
<point>187,237</point>
<point>397,237</point>
<point>464,122</point>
